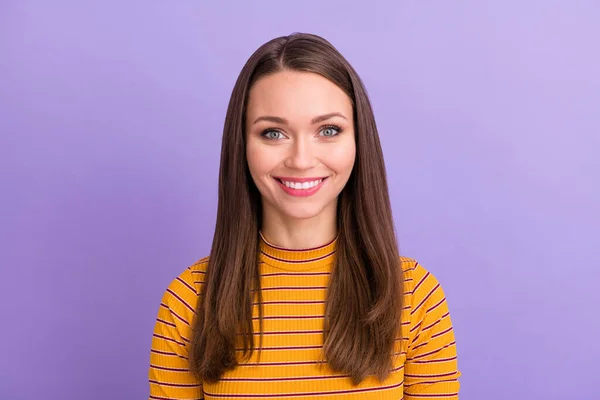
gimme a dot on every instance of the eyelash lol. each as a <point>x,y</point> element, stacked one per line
<point>337,128</point>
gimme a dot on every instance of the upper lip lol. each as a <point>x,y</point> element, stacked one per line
<point>300,180</point>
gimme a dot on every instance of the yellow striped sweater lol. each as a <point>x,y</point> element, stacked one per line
<point>294,284</point>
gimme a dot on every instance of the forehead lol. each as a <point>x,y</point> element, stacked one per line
<point>296,95</point>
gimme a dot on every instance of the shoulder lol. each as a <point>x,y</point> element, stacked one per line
<point>422,287</point>
<point>196,273</point>
<point>183,291</point>
<point>412,272</point>
<point>415,275</point>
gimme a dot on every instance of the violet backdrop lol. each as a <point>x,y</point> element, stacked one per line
<point>110,125</point>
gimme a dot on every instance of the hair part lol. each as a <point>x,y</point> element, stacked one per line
<point>364,298</point>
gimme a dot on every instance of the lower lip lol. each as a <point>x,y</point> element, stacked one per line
<point>301,192</point>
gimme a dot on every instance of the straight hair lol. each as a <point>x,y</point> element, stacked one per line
<point>364,297</point>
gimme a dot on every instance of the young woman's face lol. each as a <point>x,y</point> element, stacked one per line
<point>300,143</point>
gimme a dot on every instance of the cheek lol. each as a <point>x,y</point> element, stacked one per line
<point>341,159</point>
<point>253,160</point>
<point>253,155</point>
<point>259,163</point>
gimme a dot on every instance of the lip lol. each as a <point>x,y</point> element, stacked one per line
<point>300,192</point>
<point>300,180</point>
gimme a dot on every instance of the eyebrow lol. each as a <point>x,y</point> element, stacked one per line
<point>284,121</point>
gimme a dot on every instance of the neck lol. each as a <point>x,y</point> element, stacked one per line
<point>292,233</point>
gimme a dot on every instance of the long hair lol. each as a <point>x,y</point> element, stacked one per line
<point>364,297</point>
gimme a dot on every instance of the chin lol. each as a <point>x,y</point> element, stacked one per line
<point>300,213</point>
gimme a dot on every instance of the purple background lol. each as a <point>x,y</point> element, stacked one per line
<point>111,116</point>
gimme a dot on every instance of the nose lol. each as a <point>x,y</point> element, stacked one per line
<point>302,154</point>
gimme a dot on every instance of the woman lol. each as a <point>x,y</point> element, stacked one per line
<point>304,294</point>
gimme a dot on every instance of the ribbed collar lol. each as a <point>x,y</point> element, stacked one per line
<point>296,260</point>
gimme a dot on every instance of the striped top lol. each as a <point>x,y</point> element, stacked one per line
<point>294,284</point>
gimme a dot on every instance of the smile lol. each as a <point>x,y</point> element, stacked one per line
<point>301,187</point>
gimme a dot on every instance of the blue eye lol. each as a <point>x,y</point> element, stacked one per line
<point>330,131</point>
<point>271,134</point>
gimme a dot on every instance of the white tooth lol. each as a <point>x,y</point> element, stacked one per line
<point>303,185</point>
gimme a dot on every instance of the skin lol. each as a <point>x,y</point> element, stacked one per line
<point>285,139</point>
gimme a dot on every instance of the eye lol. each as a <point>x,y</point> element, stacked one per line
<point>330,131</point>
<point>272,134</point>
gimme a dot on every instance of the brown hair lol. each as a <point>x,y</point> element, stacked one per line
<point>362,317</point>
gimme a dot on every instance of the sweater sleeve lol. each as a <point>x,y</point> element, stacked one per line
<point>431,370</point>
<point>169,376</point>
